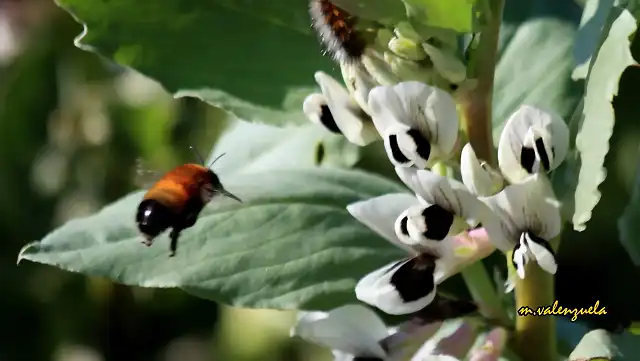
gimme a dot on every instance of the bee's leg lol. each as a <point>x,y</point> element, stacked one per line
<point>174,235</point>
<point>147,241</point>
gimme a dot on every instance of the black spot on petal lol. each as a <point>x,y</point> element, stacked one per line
<point>542,152</point>
<point>326,118</point>
<point>396,153</point>
<point>527,159</point>
<point>423,148</point>
<point>513,256</point>
<point>541,241</point>
<point>438,221</point>
<point>414,279</point>
<point>367,358</point>
<point>403,226</point>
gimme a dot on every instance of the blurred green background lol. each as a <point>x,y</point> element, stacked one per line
<point>71,128</point>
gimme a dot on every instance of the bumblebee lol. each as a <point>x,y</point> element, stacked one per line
<point>176,199</point>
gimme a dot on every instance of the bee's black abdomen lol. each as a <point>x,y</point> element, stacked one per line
<point>153,217</point>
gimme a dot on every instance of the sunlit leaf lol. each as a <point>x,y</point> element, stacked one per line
<point>260,147</point>
<point>386,12</point>
<point>450,14</point>
<point>290,244</point>
<point>590,35</point>
<point>535,59</point>
<point>598,120</point>
<point>253,58</point>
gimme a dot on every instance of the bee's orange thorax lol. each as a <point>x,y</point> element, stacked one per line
<point>177,186</point>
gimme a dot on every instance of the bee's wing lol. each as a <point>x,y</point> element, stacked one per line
<point>144,177</point>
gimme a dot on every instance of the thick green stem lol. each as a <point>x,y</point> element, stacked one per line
<point>477,102</point>
<point>535,337</point>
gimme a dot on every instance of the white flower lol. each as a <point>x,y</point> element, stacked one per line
<point>419,123</point>
<point>446,208</point>
<point>529,218</point>
<point>409,284</point>
<point>349,331</point>
<point>479,177</point>
<point>533,141</point>
<point>338,112</point>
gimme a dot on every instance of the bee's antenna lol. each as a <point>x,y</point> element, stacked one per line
<point>197,154</point>
<point>214,161</point>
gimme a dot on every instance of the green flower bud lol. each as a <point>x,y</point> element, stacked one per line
<point>406,31</point>
<point>378,68</point>
<point>447,63</point>
<point>408,70</point>
<point>407,49</point>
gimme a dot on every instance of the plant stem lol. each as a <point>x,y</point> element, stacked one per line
<point>477,102</point>
<point>483,292</point>
<point>535,337</point>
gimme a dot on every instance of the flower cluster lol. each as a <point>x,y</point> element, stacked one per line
<point>419,126</point>
<point>443,224</point>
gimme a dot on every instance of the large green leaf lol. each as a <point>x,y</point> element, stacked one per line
<point>291,244</point>
<point>535,60</point>
<point>253,58</point>
<point>592,141</point>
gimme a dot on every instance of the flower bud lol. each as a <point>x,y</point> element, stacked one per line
<point>383,38</point>
<point>407,48</point>
<point>447,63</point>
<point>375,64</point>
<point>406,31</point>
<point>408,70</point>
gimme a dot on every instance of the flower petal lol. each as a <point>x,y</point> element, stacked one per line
<point>542,252</point>
<point>353,329</point>
<point>445,192</point>
<point>520,258</point>
<point>401,227</point>
<point>316,109</point>
<point>359,83</point>
<point>400,287</point>
<point>429,224</point>
<point>406,146</point>
<point>478,177</point>
<point>548,138</point>
<point>527,206</point>
<point>477,246</point>
<point>348,116</point>
<point>492,347</point>
<point>380,214</point>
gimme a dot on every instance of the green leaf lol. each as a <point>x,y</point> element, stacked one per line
<point>291,244</point>
<point>597,343</point>
<point>590,35</point>
<point>592,141</point>
<point>251,147</point>
<point>387,12</point>
<point>535,58</point>
<point>450,14</point>
<point>253,58</point>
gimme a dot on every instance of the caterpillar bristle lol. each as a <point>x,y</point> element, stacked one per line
<point>337,31</point>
